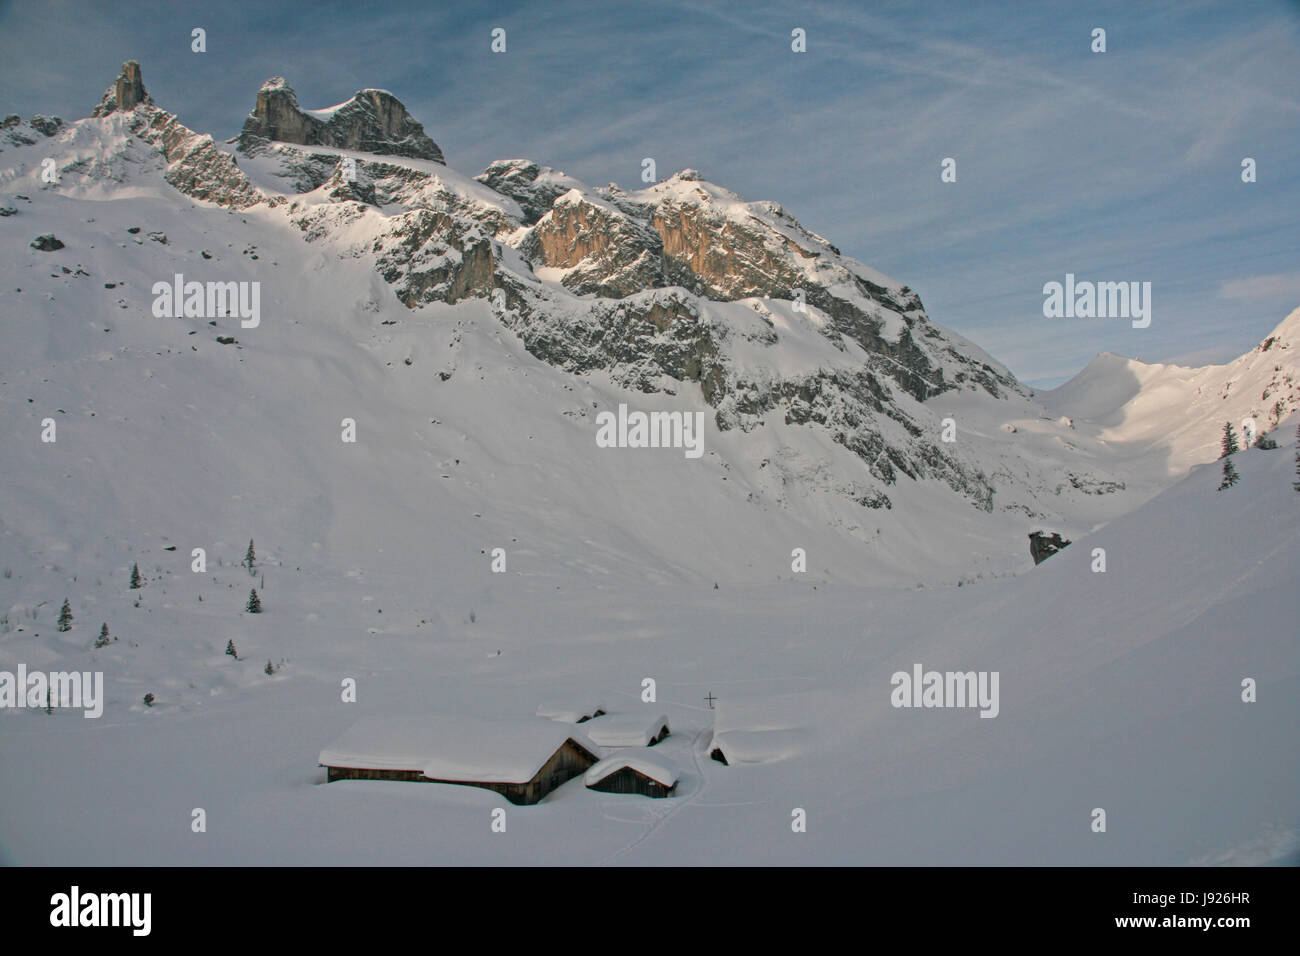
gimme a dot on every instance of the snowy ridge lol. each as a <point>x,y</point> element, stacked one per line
<point>1179,412</point>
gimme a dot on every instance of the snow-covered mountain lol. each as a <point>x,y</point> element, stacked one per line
<point>832,399</point>
<point>470,331</point>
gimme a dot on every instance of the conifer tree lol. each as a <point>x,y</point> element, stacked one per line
<point>135,577</point>
<point>1229,444</point>
<point>250,558</point>
<point>1229,474</point>
<point>102,640</point>
<point>65,616</point>
<point>49,706</point>
<point>148,700</point>
<point>270,668</point>
<point>230,649</point>
<point>254,605</point>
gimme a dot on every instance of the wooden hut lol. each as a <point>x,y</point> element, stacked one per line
<point>633,770</point>
<point>523,760</point>
<point>628,730</point>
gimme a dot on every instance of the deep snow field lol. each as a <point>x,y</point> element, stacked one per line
<point>1118,690</point>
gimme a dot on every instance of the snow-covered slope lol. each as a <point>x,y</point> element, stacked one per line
<point>1119,690</point>
<point>1178,413</point>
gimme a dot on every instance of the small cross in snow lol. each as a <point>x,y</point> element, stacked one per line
<point>710,699</point>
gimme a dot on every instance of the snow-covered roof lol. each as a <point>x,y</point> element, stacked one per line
<point>625,730</point>
<point>447,747</point>
<point>644,761</point>
<point>768,727</point>
<point>566,713</point>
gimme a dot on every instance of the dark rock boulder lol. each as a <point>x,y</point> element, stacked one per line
<point>47,243</point>
<point>1043,545</point>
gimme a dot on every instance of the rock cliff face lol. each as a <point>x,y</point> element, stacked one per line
<point>372,121</point>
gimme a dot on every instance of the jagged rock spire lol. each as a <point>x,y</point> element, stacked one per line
<point>126,93</point>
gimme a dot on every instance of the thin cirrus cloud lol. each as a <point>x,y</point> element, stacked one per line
<point>1121,166</point>
<point>1279,287</point>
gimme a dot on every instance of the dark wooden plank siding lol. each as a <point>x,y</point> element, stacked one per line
<point>628,780</point>
<point>565,764</point>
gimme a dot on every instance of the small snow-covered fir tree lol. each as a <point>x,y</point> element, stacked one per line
<point>135,576</point>
<point>230,649</point>
<point>250,558</point>
<point>1230,476</point>
<point>1229,444</point>
<point>148,700</point>
<point>102,640</point>
<point>254,605</point>
<point>65,616</point>
<point>270,668</point>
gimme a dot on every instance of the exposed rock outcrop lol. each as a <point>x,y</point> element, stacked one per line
<point>372,121</point>
<point>195,166</point>
<point>534,187</point>
<point>46,125</point>
<point>1043,545</point>
<point>603,251</point>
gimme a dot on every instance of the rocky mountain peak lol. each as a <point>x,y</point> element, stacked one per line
<point>126,93</point>
<point>372,121</point>
<point>533,186</point>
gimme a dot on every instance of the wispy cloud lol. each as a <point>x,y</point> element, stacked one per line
<point>1279,287</point>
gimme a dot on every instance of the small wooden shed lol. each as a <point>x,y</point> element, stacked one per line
<point>523,760</point>
<point>634,770</point>
<point>628,730</point>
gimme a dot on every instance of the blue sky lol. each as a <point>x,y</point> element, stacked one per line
<point>1123,165</point>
